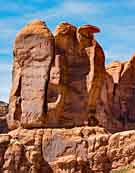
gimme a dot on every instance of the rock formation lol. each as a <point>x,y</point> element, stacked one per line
<point>81,149</point>
<point>76,76</point>
<point>65,104</point>
<point>33,56</point>
<point>73,67</point>
<point>3,112</point>
<point>124,92</point>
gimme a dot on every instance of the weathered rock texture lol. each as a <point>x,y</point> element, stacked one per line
<point>123,101</point>
<point>76,77</point>
<point>61,82</point>
<point>77,150</point>
<point>33,55</point>
<point>3,112</point>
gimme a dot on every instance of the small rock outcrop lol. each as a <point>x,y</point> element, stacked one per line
<point>3,112</point>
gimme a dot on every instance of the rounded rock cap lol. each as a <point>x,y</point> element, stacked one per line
<point>34,27</point>
<point>64,28</point>
<point>37,22</point>
<point>88,28</point>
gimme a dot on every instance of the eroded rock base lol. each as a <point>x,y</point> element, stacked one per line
<point>77,150</point>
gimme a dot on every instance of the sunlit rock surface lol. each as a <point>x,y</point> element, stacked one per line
<point>65,105</point>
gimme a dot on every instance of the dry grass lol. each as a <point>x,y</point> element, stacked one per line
<point>127,169</point>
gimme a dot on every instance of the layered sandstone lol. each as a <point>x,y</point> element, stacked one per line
<point>77,150</point>
<point>62,100</point>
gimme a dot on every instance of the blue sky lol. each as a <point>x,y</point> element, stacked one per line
<point>115,18</point>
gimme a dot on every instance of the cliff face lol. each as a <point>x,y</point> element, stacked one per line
<point>65,104</point>
<point>124,92</point>
<point>77,150</point>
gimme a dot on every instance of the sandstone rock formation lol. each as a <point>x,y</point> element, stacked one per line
<point>4,141</point>
<point>33,55</point>
<point>77,150</point>
<point>123,101</point>
<point>80,91</point>
<point>3,112</point>
<point>76,76</point>
<point>60,82</point>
